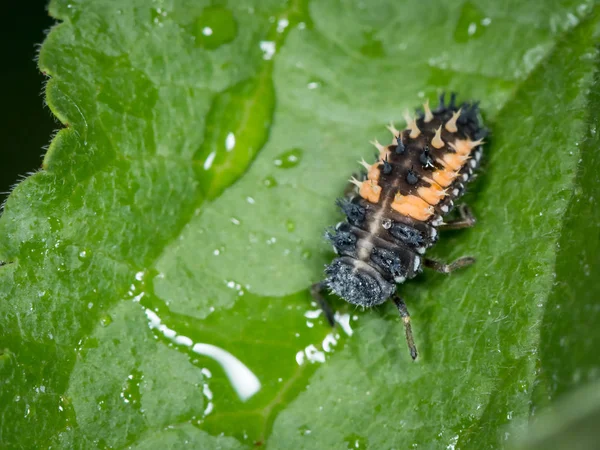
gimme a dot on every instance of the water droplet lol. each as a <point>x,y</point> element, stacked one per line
<point>533,56</point>
<point>214,27</point>
<point>130,394</point>
<point>268,48</point>
<point>290,225</point>
<point>355,442</point>
<point>304,430</point>
<point>105,320</point>
<point>242,379</point>
<point>226,153</point>
<point>6,358</point>
<point>288,159</point>
<point>55,224</point>
<point>157,16</point>
<point>344,321</point>
<point>101,403</point>
<point>209,160</point>
<point>282,24</point>
<point>471,23</point>
<point>306,254</point>
<point>269,182</point>
<point>372,48</point>
<point>230,142</point>
<point>212,352</point>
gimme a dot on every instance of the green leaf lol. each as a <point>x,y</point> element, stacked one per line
<point>156,286</point>
<point>570,423</point>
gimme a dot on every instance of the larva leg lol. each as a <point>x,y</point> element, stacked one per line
<point>466,220</point>
<point>406,320</point>
<point>316,291</point>
<point>447,268</point>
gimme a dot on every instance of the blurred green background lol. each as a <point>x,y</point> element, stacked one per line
<point>26,124</point>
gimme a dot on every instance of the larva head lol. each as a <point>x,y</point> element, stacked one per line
<point>357,282</point>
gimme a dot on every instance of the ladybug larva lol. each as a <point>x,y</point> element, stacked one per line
<point>395,210</point>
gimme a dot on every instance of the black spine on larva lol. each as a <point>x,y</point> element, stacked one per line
<point>381,241</point>
<point>386,167</point>
<point>470,122</point>
<point>354,212</point>
<point>343,241</point>
<point>407,234</point>
<point>388,261</point>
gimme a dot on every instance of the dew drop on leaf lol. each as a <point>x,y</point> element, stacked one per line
<point>214,27</point>
<point>471,23</point>
<point>355,442</point>
<point>288,159</point>
<point>269,182</point>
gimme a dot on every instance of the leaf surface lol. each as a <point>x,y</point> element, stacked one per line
<point>156,291</point>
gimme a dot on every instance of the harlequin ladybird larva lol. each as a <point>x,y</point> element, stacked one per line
<point>396,209</point>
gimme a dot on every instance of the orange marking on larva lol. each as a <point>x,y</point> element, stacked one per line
<point>411,124</point>
<point>451,124</point>
<point>464,147</point>
<point>437,139</point>
<point>412,206</point>
<point>444,177</point>
<point>368,189</point>
<point>460,146</point>
<point>373,171</point>
<point>430,181</point>
<point>428,115</point>
<point>432,194</point>
<point>453,161</point>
